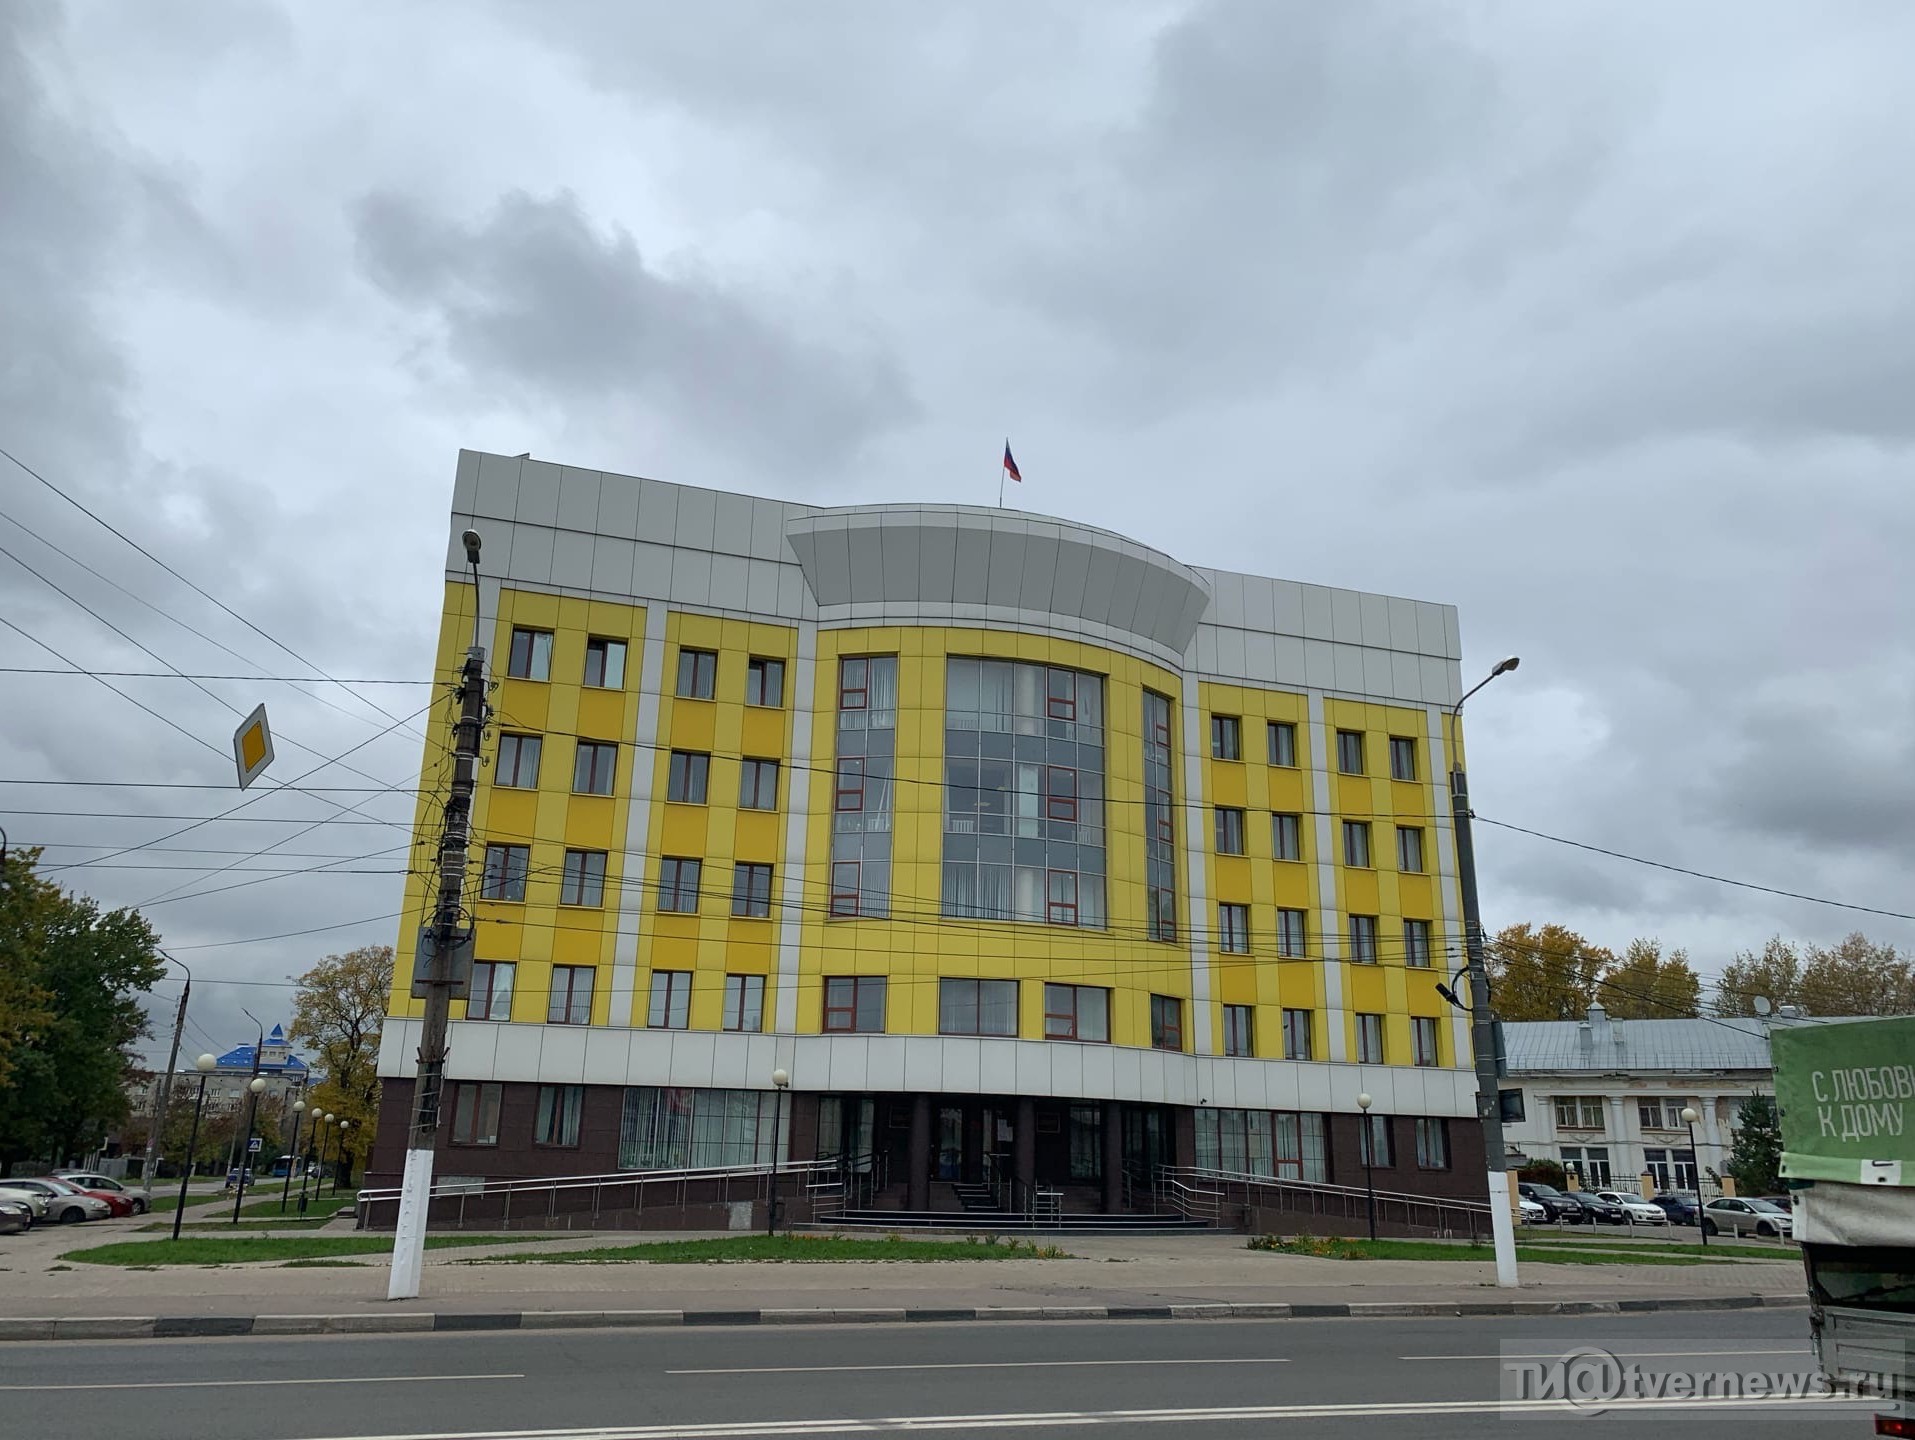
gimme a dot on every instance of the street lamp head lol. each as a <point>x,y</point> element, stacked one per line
<point>1506,664</point>
<point>1363,1101</point>
<point>206,1064</point>
<point>470,539</point>
<point>299,1106</point>
<point>345,1124</point>
<point>256,1084</point>
<point>781,1078</point>
<point>326,1118</point>
<point>1689,1115</point>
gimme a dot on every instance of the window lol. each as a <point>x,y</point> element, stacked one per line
<point>1283,744</point>
<point>583,882</point>
<point>531,657</point>
<point>571,995</point>
<point>1433,1144</point>
<point>1409,849</point>
<point>556,1120</point>
<point>475,1112</point>
<point>1363,939</point>
<point>977,1007</point>
<point>744,1003</point>
<point>1671,1169</point>
<point>1369,1039</point>
<point>697,674</point>
<point>1060,793</point>
<point>1286,837</point>
<point>1290,934</point>
<point>1424,1048</point>
<point>1160,831</point>
<point>1402,758</point>
<point>1591,1164</point>
<point>1060,695</point>
<point>1238,1031</point>
<point>1296,1035</point>
<point>1233,929</point>
<point>850,789</point>
<point>1373,1137</point>
<point>1416,944</point>
<point>844,887</point>
<point>751,891</point>
<point>594,767</point>
<point>764,681</point>
<point>1356,843</point>
<point>489,994</point>
<point>1076,1012</point>
<point>1350,751</point>
<point>688,777</point>
<point>671,1002</point>
<point>1060,897</point>
<point>518,767</point>
<point>758,785</point>
<point>505,871</point>
<point>854,684</point>
<point>1166,1022</point>
<point>1226,737</point>
<point>678,881</point>
<point>1579,1112</point>
<point>605,664</point>
<point>677,1128</point>
<point>1229,831</point>
<point>854,1004</point>
<point>1659,1113</point>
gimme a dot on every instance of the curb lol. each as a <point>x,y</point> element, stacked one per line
<point>169,1327</point>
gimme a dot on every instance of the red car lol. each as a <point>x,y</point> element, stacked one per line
<point>116,1201</point>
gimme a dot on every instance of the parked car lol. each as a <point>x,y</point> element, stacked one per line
<point>1681,1206</point>
<point>1548,1196</point>
<point>117,1202</point>
<point>1746,1217</point>
<point>32,1199</point>
<point>1636,1210</point>
<point>1781,1202</point>
<point>15,1216</point>
<point>237,1177</point>
<point>1596,1208</point>
<point>65,1203</point>
<point>1532,1211</point>
<point>140,1199</point>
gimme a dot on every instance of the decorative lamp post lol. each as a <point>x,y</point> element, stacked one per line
<point>205,1065</point>
<point>1363,1103</point>
<point>339,1157</point>
<point>292,1157</point>
<point>780,1080</point>
<point>254,1087</point>
<point>1689,1118</point>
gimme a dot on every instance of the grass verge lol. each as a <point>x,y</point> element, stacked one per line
<point>793,1249</point>
<point>291,1222</point>
<point>1743,1251</point>
<point>243,1249</point>
<point>1333,1248</point>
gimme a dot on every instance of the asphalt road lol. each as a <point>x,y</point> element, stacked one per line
<point>1430,1378</point>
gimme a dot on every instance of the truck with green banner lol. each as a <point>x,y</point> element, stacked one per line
<point>1846,1093</point>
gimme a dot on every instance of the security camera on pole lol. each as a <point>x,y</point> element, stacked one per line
<point>443,968</point>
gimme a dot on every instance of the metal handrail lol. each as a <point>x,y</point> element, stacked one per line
<point>552,1183</point>
<point>1202,1192</point>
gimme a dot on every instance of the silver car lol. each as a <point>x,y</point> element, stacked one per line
<point>35,1202</point>
<point>15,1216</point>
<point>1746,1217</point>
<point>65,1202</point>
<point>92,1180</point>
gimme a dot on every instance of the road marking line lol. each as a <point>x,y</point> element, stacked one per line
<point>1619,1354</point>
<point>891,1425</point>
<point>969,1365</point>
<point>222,1384</point>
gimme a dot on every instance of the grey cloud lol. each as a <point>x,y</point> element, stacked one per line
<point>533,302</point>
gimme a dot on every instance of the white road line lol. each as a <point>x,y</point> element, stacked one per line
<point>892,1425</point>
<point>1619,1354</point>
<point>967,1365</point>
<point>225,1384</point>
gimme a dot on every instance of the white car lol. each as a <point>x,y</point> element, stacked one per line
<point>142,1200</point>
<point>1639,1210</point>
<point>1532,1213</point>
<point>35,1202</point>
<point>65,1203</point>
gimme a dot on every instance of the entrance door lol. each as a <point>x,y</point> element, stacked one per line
<point>948,1164</point>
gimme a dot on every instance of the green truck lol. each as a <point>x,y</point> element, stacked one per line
<point>1847,1098</point>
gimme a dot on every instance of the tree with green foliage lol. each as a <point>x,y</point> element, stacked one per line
<point>338,1010</point>
<point>71,978</point>
<point>1755,1160</point>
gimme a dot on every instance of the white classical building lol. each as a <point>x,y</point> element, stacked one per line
<point>1605,1097</point>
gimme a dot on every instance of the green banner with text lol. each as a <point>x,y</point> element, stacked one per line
<point>1847,1097</point>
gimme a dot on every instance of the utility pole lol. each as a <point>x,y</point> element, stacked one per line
<point>445,958</point>
<point>254,1085</point>
<point>1489,1092</point>
<point>163,1091</point>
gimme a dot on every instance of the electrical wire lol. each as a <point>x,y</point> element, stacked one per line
<point>194,675</point>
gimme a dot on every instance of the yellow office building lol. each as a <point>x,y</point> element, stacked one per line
<point>1028,852</point>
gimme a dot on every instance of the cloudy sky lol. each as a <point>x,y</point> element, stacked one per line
<point>1596,321</point>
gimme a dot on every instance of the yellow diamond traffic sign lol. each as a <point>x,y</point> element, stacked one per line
<point>252,747</point>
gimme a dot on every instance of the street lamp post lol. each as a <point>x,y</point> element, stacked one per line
<point>292,1158</point>
<point>306,1166</point>
<point>1489,1101</point>
<point>253,1088</point>
<point>204,1065</point>
<point>1363,1103</point>
<point>779,1080</point>
<point>339,1154</point>
<point>1689,1118</point>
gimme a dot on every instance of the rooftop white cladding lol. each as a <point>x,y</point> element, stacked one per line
<point>590,532</point>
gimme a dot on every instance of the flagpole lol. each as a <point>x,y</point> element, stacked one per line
<point>1000,472</point>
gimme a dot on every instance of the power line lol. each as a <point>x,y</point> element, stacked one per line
<point>211,785</point>
<point>1699,874</point>
<point>190,675</point>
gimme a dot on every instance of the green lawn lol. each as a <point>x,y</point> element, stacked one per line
<point>801,1249</point>
<point>1329,1248</point>
<point>1745,1250</point>
<point>291,1222</point>
<point>239,1249</point>
<point>168,1198</point>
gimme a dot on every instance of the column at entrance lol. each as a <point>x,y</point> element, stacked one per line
<point>1025,1149</point>
<point>1113,1157</point>
<point>918,1157</point>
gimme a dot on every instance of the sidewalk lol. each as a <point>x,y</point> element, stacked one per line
<point>1155,1275</point>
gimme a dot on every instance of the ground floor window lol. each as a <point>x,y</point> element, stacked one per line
<point>1591,1164</point>
<point>1432,1144</point>
<point>1670,1169</point>
<point>1282,1143</point>
<point>676,1128</point>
